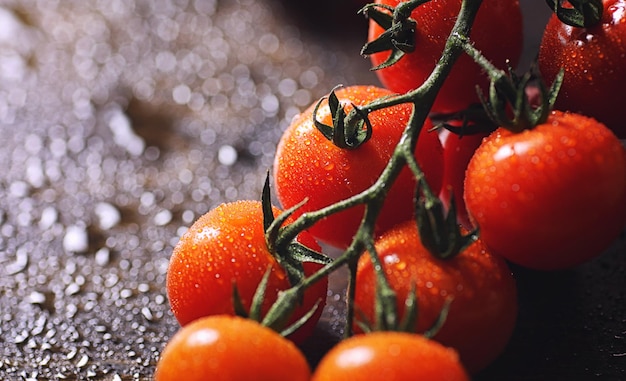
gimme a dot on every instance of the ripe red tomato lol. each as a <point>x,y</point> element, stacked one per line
<point>483,311</point>
<point>457,152</point>
<point>390,356</point>
<point>307,165</point>
<point>229,348</point>
<point>593,61</point>
<point>226,246</point>
<point>551,197</point>
<point>497,33</point>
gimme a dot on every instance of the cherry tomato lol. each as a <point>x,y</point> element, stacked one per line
<point>551,197</point>
<point>225,246</point>
<point>483,311</point>
<point>390,356</point>
<point>230,348</point>
<point>593,61</point>
<point>497,32</point>
<point>307,165</point>
<point>457,152</point>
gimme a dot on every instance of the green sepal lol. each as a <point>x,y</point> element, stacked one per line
<point>386,317</point>
<point>282,309</point>
<point>257,299</point>
<point>439,231</point>
<point>289,255</point>
<point>440,320</point>
<point>349,131</point>
<point>271,319</point>
<point>409,320</point>
<point>259,296</point>
<point>399,34</point>
<point>385,310</point>
<point>581,14</point>
<point>508,89</point>
<point>266,203</point>
<point>238,307</point>
<point>303,254</point>
<point>302,321</point>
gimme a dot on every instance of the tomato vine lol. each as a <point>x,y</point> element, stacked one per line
<point>436,229</point>
<point>422,100</point>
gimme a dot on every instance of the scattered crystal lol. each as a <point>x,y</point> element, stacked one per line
<point>48,217</point>
<point>103,256</point>
<point>37,297</point>
<point>123,133</point>
<point>162,218</point>
<point>76,239</point>
<point>227,155</point>
<point>108,215</point>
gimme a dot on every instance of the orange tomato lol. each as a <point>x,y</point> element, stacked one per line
<point>229,348</point>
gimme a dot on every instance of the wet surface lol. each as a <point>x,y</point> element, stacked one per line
<point>121,122</point>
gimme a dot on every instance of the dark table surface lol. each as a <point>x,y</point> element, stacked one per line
<point>121,122</point>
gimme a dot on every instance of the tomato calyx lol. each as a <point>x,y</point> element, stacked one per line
<point>289,254</point>
<point>510,92</point>
<point>386,317</point>
<point>508,103</point>
<point>578,13</point>
<point>270,320</point>
<point>439,230</point>
<point>348,131</point>
<point>399,34</point>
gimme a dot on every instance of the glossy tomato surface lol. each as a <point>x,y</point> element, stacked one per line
<point>309,166</point>
<point>390,356</point>
<point>229,348</point>
<point>482,291</point>
<point>497,33</point>
<point>552,197</point>
<point>227,246</point>
<point>593,62</point>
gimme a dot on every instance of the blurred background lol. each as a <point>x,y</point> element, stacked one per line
<point>123,121</point>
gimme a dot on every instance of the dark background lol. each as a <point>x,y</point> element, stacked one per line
<point>121,122</point>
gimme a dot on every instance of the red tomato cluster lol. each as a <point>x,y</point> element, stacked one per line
<point>549,197</point>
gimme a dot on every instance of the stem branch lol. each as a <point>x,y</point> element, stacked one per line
<point>422,99</point>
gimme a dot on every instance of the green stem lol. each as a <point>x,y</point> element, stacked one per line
<point>350,294</point>
<point>422,98</point>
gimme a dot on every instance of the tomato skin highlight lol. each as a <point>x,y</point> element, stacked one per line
<point>308,166</point>
<point>483,312</point>
<point>552,197</point>
<point>497,32</point>
<point>390,356</point>
<point>230,348</point>
<point>227,245</point>
<point>593,62</point>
